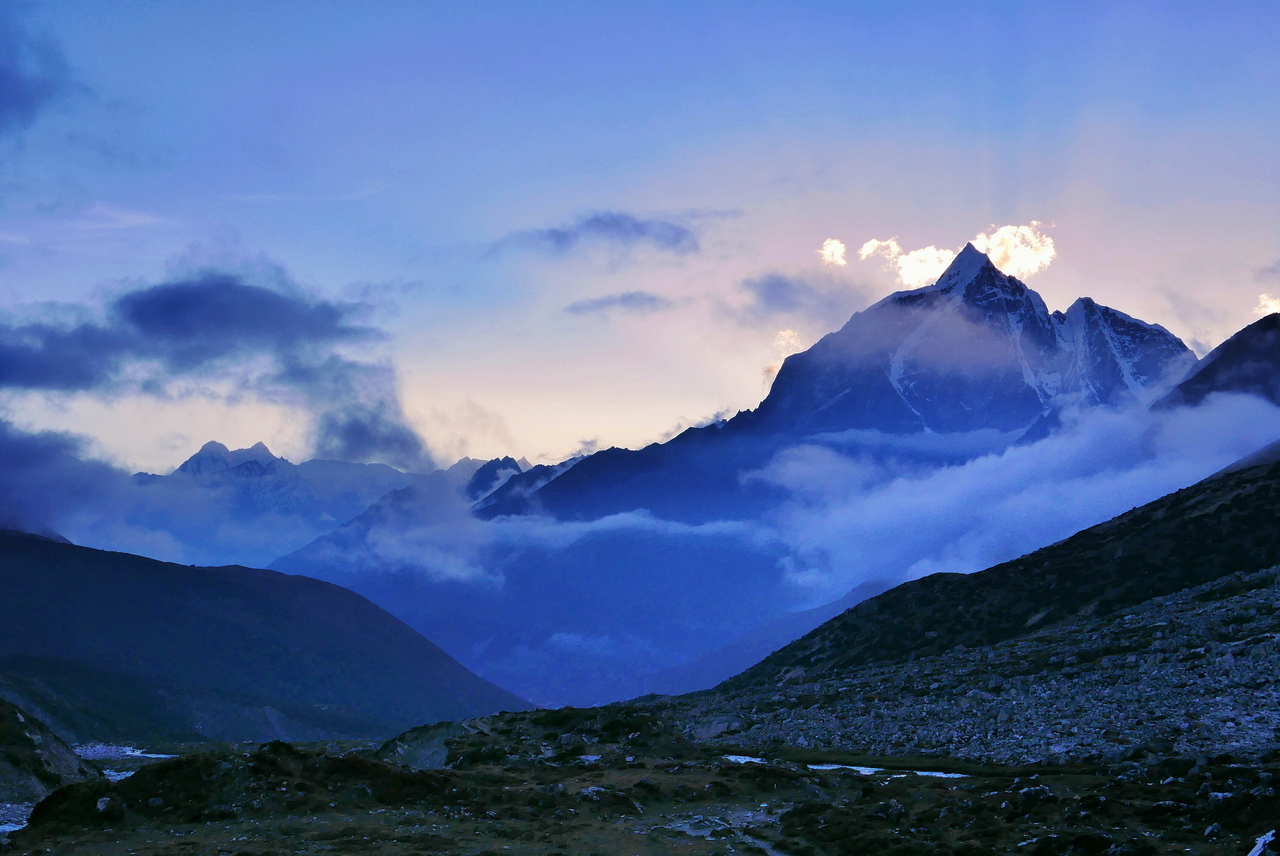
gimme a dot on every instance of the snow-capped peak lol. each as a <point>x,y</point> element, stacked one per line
<point>214,457</point>
<point>962,270</point>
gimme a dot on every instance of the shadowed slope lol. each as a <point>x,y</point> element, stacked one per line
<point>250,637</point>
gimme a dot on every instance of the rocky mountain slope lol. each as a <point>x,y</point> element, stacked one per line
<point>1191,674</point>
<point>1222,525</point>
<point>226,653</point>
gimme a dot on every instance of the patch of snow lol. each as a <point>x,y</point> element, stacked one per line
<point>744,759</point>
<point>865,771</point>
<point>117,775</point>
<point>941,775</point>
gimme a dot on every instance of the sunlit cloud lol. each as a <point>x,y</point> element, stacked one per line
<point>1017,250</point>
<point>914,269</point>
<point>1267,304</point>
<point>832,253</point>
<point>786,343</point>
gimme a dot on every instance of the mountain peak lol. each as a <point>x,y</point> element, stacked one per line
<point>963,268</point>
<point>214,457</point>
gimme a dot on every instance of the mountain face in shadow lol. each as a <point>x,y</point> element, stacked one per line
<point>1226,523</point>
<point>1248,362</point>
<point>113,646</point>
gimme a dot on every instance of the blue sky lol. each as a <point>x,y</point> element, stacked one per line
<point>441,166</point>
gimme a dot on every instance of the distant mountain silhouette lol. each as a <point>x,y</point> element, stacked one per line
<point>126,647</point>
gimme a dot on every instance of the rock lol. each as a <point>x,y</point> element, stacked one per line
<point>422,748</point>
<point>716,726</point>
<point>34,762</point>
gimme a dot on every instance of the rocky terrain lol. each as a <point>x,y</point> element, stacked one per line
<point>620,780</point>
<point>1186,676</point>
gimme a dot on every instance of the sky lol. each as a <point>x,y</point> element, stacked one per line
<point>413,232</point>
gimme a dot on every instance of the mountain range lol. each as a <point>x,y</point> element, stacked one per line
<point>660,569</point>
<point>975,353</point>
<point>665,569</point>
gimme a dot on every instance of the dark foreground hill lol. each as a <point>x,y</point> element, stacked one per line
<point>1226,524</point>
<point>114,646</point>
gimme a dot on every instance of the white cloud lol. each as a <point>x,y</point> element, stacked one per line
<point>854,517</point>
<point>832,253</point>
<point>1018,250</point>
<point>914,269</point>
<point>1267,304</point>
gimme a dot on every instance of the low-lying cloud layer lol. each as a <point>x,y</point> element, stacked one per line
<point>856,515</point>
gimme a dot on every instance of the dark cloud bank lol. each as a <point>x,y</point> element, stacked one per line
<point>281,346</point>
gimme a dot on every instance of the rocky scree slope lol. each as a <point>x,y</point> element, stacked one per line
<point>1227,523</point>
<point>1191,675</point>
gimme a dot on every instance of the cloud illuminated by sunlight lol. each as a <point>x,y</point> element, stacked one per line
<point>1267,304</point>
<point>832,253</point>
<point>916,268</point>
<point>1016,250</point>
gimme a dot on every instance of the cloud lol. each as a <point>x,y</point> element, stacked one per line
<point>856,516</point>
<point>284,347</point>
<point>914,269</point>
<point>1267,304</point>
<point>832,253</point>
<point>1267,273</point>
<point>626,301</point>
<point>819,298</point>
<point>33,74</point>
<point>43,479</point>
<point>610,227</point>
<point>1019,251</point>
